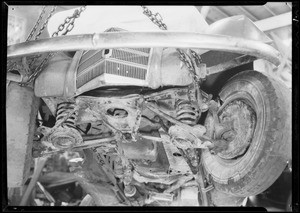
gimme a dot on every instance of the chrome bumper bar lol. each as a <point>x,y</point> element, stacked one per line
<point>147,39</point>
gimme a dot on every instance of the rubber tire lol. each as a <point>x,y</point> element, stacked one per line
<point>270,148</point>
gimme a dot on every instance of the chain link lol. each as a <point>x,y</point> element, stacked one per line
<point>155,18</point>
<point>184,57</point>
<point>190,64</point>
<point>70,25</point>
<point>46,22</point>
<point>38,69</point>
<point>34,58</point>
<point>33,30</point>
<point>36,24</point>
<point>45,60</point>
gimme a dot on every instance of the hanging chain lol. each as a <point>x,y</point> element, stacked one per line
<point>69,21</point>
<point>155,18</point>
<point>38,69</point>
<point>190,64</point>
<point>184,57</point>
<point>36,24</point>
<point>30,36</point>
<point>68,24</point>
<point>42,29</point>
<point>46,22</point>
<point>33,30</point>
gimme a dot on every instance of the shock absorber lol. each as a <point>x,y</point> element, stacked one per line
<point>187,113</point>
<point>63,109</point>
<point>66,135</point>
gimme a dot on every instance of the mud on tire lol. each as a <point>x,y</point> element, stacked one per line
<point>270,147</point>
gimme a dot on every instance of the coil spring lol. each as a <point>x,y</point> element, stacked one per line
<point>187,113</point>
<point>63,109</point>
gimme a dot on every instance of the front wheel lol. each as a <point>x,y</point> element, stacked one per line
<point>258,107</point>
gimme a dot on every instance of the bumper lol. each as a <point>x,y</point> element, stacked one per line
<point>147,39</point>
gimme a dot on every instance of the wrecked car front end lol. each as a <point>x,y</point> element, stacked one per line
<point>138,112</point>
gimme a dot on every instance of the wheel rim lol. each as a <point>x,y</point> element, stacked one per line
<point>240,115</point>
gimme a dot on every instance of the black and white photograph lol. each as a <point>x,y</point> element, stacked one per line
<point>149,106</point>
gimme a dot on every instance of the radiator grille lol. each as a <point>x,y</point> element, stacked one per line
<point>127,62</point>
<point>88,60</point>
<point>90,74</point>
<point>121,62</point>
<point>125,70</point>
<point>87,54</point>
<point>145,50</point>
<point>123,54</point>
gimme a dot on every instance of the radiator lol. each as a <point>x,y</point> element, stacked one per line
<point>127,62</point>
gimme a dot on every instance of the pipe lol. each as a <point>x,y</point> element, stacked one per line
<point>147,39</point>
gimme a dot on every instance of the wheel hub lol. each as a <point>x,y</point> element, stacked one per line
<point>242,119</point>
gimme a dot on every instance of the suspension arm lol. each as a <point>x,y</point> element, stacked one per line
<point>173,120</point>
<point>147,39</point>
<point>202,141</point>
<point>85,145</point>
